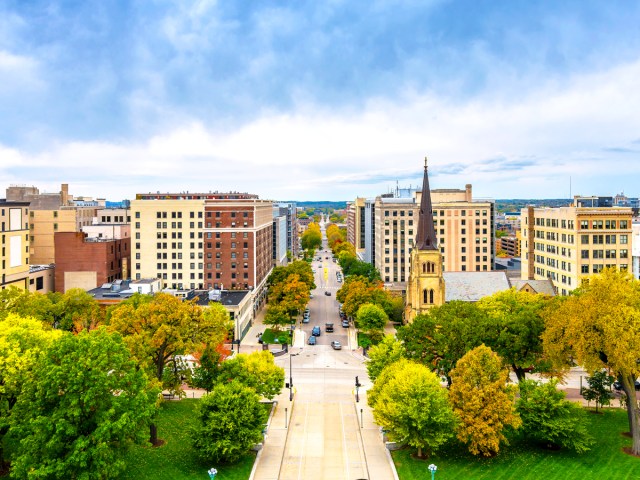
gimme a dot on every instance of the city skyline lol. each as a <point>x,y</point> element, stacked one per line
<point>315,101</point>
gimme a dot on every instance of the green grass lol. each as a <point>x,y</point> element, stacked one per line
<point>523,460</point>
<point>269,336</point>
<point>176,459</point>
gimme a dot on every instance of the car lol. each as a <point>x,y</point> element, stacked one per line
<point>327,293</point>
<point>336,345</point>
<point>312,340</point>
<point>311,295</point>
<point>316,332</point>
<point>339,280</point>
<point>345,323</point>
<point>306,319</point>
<point>618,386</point>
<point>328,327</point>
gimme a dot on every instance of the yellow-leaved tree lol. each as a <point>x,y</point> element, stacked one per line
<point>599,327</point>
<point>482,400</point>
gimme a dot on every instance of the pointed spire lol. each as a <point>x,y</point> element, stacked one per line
<point>426,235</point>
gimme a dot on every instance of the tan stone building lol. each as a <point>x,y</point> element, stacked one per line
<point>356,224</point>
<point>568,244</point>
<point>465,231</point>
<point>14,258</point>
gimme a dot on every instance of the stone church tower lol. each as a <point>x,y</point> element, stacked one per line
<point>425,288</point>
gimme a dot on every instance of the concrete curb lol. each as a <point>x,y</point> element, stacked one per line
<point>259,454</point>
<point>286,440</point>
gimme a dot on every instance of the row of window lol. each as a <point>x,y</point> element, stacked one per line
<point>604,239</point>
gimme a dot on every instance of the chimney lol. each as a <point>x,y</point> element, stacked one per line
<point>64,193</point>
<point>467,188</point>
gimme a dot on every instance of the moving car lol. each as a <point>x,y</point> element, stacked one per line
<point>306,319</point>
<point>328,327</point>
<point>327,293</point>
<point>336,345</point>
<point>312,340</point>
<point>316,331</point>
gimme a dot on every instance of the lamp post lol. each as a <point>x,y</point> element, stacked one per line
<point>212,473</point>
<point>432,468</point>
<point>358,385</point>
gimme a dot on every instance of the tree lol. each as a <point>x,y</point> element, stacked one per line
<point>276,316</point>
<point>409,402</point>
<point>514,327</point>
<point>358,290</point>
<point>291,295</point>
<point>155,328</point>
<point>86,402</point>
<point>303,269</point>
<point>229,421</point>
<point>599,388</point>
<point>23,340</point>
<point>388,351</point>
<point>482,400</point>
<point>444,335</point>
<point>371,319</point>
<point>548,417</point>
<point>599,327</point>
<point>76,310</point>
<point>311,238</point>
<point>256,370</point>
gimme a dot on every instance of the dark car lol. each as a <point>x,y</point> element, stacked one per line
<point>316,332</point>
<point>328,327</point>
<point>336,345</point>
<point>618,386</point>
<point>345,323</point>
<point>327,293</point>
<point>312,340</point>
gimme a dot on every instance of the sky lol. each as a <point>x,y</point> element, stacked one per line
<point>320,100</point>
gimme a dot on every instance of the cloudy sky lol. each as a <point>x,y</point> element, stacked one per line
<point>330,99</point>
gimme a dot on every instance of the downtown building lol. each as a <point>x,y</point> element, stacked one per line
<point>14,258</point>
<point>203,241</point>
<point>568,244</point>
<point>387,227</point>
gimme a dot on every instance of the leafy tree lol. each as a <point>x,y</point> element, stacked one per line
<point>311,238</point>
<point>444,335</point>
<point>229,421</point>
<point>409,402</point>
<point>292,295</point>
<point>599,388</point>
<point>276,316</point>
<point>482,400</point>
<point>299,267</point>
<point>514,327</point>
<point>22,341</point>
<point>548,417</point>
<point>344,249</point>
<point>256,370</point>
<point>395,308</point>
<point>371,319</point>
<point>599,327</point>
<point>155,328</point>
<point>388,351</point>
<point>27,304</point>
<point>206,374</point>
<point>85,403</point>
<point>358,290</point>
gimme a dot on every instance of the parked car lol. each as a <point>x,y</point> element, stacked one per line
<point>327,293</point>
<point>618,386</point>
<point>316,332</point>
<point>311,295</point>
<point>306,319</point>
<point>312,340</point>
<point>345,323</point>
<point>336,345</point>
<point>328,327</point>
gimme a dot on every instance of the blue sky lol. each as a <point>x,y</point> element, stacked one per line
<point>313,100</point>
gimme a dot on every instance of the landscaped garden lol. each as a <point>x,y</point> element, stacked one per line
<point>523,459</point>
<point>177,459</point>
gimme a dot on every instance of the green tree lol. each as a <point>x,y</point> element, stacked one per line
<point>388,351</point>
<point>22,341</point>
<point>599,388</point>
<point>155,328</point>
<point>276,316</point>
<point>76,310</point>
<point>27,304</point>
<point>371,319</point>
<point>256,370</point>
<point>409,402</point>
<point>229,421</point>
<point>599,327</point>
<point>84,405</point>
<point>311,238</point>
<point>548,417</point>
<point>483,401</point>
<point>514,327</point>
<point>291,295</point>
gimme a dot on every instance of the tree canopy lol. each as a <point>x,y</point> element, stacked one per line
<point>256,370</point>
<point>85,403</point>
<point>388,351</point>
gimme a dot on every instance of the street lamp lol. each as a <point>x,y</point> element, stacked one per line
<point>291,375</point>
<point>432,468</point>
<point>358,385</point>
<point>212,473</point>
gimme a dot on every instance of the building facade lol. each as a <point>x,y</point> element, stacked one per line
<point>290,211</point>
<point>568,244</point>
<point>15,244</point>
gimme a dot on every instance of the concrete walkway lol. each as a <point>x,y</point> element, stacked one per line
<point>319,435</point>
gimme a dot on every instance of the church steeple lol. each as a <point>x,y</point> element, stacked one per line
<point>426,235</point>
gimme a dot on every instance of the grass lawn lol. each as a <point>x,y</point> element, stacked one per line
<point>269,336</point>
<point>522,460</point>
<point>176,459</point>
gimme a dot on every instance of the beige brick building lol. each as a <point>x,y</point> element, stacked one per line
<point>14,258</point>
<point>568,244</point>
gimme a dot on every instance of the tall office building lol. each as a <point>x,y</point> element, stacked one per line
<point>356,225</point>
<point>289,210</point>
<point>465,230</point>
<point>203,240</point>
<point>15,244</point>
<point>567,244</point>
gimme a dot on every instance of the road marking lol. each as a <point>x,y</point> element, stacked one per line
<point>304,441</point>
<point>344,444</point>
